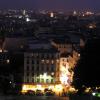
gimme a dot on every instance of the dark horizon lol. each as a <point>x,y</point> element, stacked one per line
<point>56,5</point>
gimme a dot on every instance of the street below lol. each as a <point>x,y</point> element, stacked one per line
<point>33,98</point>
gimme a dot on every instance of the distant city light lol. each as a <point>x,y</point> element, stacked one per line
<point>27,19</point>
<point>24,12</point>
<point>20,17</point>
<point>10,82</point>
<point>74,13</point>
<point>89,13</point>
<point>92,26</point>
<point>51,14</point>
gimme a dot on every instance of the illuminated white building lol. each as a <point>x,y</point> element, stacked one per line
<point>41,66</point>
<point>48,68</point>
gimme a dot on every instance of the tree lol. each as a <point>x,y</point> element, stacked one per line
<point>87,70</point>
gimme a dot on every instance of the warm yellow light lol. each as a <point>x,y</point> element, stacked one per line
<point>64,73</point>
<point>39,87</point>
<point>28,87</point>
<point>72,89</point>
<point>87,90</point>
<point>92,25</point>
<point>59,87</point>
<point>51,87</point>
<point>45,75</point>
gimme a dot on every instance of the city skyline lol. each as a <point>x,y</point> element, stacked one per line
<point>57,5</point>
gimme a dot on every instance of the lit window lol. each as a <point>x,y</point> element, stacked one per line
<point>0,50</point>
<point>57,61</point>
<point>52,73</point>
<point>47,61</point>
<point>42,61</point>
<point>52,62</point>
<point>8,61</point>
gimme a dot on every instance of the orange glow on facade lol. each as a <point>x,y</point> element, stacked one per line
<point>65,75</point>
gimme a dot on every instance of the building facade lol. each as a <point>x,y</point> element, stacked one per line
<point>41,66</point>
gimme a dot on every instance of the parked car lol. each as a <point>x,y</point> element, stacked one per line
<point>30,92</point>
<point>49,92</point>
<point>39,93</point>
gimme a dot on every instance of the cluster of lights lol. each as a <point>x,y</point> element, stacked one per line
<point>92,26</point>
<point>65,75</point>
<point>89,13</point>
<point>55,88</point>
<point>87,90</point>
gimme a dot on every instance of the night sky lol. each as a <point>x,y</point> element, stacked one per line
<point>59,5</point>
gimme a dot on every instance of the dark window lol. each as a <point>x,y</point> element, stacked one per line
<point>52,56</point>
<point>37,62</point>
<point>47,80</point>
<point>32,68</point>
<point>27,68</point>
<point>52,81</point>
<point>37,68</point>
<point>42,68</point>
<point>38,80</point>
<point>32,79</point>
<point>27,61</point>
<point>27,74</point>
<point>42,56</point>
<point>32,61</point>
<point>47,68</point>
<point>33,74</point>
<point>27,79</point>
<point>52,68</point>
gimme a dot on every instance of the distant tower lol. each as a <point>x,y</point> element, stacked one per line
<point>52,14</point>
<point>74,13</point>
<point>24,12</point>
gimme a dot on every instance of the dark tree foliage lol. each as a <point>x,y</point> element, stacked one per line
<point>87,71</point>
